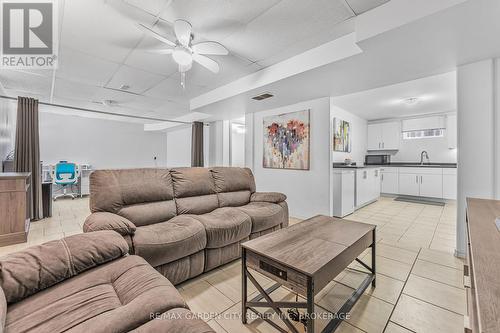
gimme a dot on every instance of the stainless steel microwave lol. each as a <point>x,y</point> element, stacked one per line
<point>377,159</point>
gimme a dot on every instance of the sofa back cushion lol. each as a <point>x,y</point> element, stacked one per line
<point>29,271</point>
<point>143,196</point>
<point>194,190</point>
<point>234,186</point>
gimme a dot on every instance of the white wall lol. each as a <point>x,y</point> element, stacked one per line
<point>101,143</point>
<point>307,191</point>
<point>7,128</point>
<point>358,135</point>
<point>179,147</point>
<point>237,145</point>
<point>218,149</point>
<point>478,146</point>
<point>409,150</point>
<point>437,148</point>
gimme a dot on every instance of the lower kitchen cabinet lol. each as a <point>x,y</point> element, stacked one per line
<point>431,185</point>
<point>408,184</point>
<point>367,185</point>
<point>389,180</point>
<point>450,184</point>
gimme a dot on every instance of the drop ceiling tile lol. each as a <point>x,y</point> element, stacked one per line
<point>24,93</point>
<point>151,6</point>
<point>141,58</point>
<point>361,6</point>
<point>232,68</point>
<point>26,83</point>
<point>170,89</point>
<point>74,90</point>
<point>106,29</point>
<point>287,23</point>
<point>217,19</point>
<point>84,68</point>
<point>137,79</point>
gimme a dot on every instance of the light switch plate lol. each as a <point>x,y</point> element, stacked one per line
<point>497,222</point>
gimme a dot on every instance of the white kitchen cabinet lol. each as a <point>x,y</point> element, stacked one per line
<point>384,136</point>
<point>409,184</point>
<point>391,135</point>
<point>450,184</point>
<point>431,185</point>
<point>389,180</point>
<point>343,192</point>
<point>374,136</point>
<point>367,185</point>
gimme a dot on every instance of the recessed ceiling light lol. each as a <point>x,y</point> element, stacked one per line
<point>411,101</point>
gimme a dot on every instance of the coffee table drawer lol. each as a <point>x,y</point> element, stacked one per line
<point>288,277</point>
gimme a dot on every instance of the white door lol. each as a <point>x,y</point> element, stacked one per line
<point>374,137</point>
<point>431,186</point>
<point>409,184</point>
<point>389,182</point>
<point>391,133</point>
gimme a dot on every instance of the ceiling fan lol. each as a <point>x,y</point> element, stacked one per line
<point>184,52</point>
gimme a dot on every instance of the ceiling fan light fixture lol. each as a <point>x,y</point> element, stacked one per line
<point>182,56</point>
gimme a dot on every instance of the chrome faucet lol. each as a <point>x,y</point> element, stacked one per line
<point>422,154</point>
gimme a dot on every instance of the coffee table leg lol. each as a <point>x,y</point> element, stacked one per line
<point>243,286</point>
<point>310,305</point>
<point>373,258</point>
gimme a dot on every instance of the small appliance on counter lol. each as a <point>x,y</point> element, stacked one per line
<point>377,159</point>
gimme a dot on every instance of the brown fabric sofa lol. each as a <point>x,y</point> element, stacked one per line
<point>88,283</point>
<point>183,221</point>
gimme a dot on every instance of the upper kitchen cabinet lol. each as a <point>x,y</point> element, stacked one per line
<point>384,136</point>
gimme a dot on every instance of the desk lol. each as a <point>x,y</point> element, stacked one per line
<point>14,209</point>
<point>83,184</point>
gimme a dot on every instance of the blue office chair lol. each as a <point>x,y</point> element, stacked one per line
<point>65,174</point>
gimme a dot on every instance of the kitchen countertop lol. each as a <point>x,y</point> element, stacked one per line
<point>396,165</point>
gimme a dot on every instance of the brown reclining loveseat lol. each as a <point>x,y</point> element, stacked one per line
<point>88,283</point>
<point>183,221</point>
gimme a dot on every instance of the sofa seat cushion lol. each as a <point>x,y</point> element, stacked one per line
<point>264,215</point>
<point>165,242</point>
<point>225,226</point>
<point>175,321</point>
<point>114,297</point>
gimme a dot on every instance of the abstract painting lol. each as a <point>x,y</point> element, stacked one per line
<point>286,141</point>
<point>341,135</point>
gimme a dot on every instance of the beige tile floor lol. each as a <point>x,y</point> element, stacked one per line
<point>419,281</point>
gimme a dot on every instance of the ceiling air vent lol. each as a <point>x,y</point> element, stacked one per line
<point>263,96</point>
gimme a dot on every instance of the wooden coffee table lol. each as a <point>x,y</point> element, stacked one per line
<point>305,257</point>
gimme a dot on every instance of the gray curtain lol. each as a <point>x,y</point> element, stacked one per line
<point>27,151</point>
<point>197,144</point>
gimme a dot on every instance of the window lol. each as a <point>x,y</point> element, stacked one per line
<point>423,134</point>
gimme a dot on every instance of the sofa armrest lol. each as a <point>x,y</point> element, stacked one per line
<point>109,221</point>
<point>29,271</point>
<point>272,197</point>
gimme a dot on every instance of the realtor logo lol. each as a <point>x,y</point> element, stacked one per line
<point>28,34</point>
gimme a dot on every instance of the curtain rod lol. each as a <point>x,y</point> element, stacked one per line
<point>104,112</point>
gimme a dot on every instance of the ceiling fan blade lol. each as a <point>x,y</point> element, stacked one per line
<point>206,62</point>
<point>154,34</point>
<point>183,31</point>
<point>161,51</point>
<point>214,48</point>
